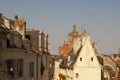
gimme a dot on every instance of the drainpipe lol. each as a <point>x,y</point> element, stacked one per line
<point>37,65</point>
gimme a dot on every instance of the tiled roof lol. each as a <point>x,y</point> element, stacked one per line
<point>73,58</point>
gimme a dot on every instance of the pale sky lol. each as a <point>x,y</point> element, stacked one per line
<point>101,18</point>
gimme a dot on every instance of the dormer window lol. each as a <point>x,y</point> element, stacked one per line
<point>80,58</point>
<point>91,58</point>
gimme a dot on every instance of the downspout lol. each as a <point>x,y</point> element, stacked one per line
<point>37,65</point>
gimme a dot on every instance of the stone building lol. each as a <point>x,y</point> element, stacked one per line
<point>40,43</point>
<point>18,57</point>
<point>78,59</point>
<point>110,68</point>
<point>3,36</point>
<point>25,57</point>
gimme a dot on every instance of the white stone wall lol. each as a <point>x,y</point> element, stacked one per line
<point>86,54</point>
<point>56,71</point>
<point>88,67</point>
<point>67,72</point>
<point>70,74</point>
<point>63,71</point>
<point>87,73</point>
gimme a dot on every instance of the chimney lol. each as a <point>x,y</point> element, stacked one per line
<point>65,48</point>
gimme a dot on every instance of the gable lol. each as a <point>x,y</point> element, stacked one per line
<point>87,57</point>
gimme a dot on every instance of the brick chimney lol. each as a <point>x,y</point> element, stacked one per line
<point>65,48</point>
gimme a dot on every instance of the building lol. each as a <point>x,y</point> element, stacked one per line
<point>3,36</point>
<point>110,68</point>
<point>78,59</point>
<point>40,44</point>
<point>20,58</point>
<point>52,67</point>
<point>24,52</point>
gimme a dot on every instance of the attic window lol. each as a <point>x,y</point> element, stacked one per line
<point>80,58</point>
<point>91,58</point>
<point>77,75</point>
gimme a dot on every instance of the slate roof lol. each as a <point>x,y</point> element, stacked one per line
<point>73,58</point>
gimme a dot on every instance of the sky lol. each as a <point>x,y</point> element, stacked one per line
<point>101,18</point>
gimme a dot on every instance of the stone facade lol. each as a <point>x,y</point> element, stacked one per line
<point>33,36</point>
<point>39,42</point>
<point>3,37</point>
<point>81,62</point>
<point>23,57</point>
<point>79,59</point>
<point>110,68</point>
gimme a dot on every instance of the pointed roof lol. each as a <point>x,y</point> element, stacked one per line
<point>74,57</point>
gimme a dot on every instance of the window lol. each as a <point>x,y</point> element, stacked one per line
<point>15,67</point>
<point>31,69</point>
<point>10,67</point>
<point>77,75</point>
<point>8,43</point>
<point>80,58</point>
<point>28,37</point>
<point>91,58</point>
<point>42,68</point>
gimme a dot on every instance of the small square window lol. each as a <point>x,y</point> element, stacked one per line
<point>80,58</point>
<point>91,58</point>
<point>77,75</point>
